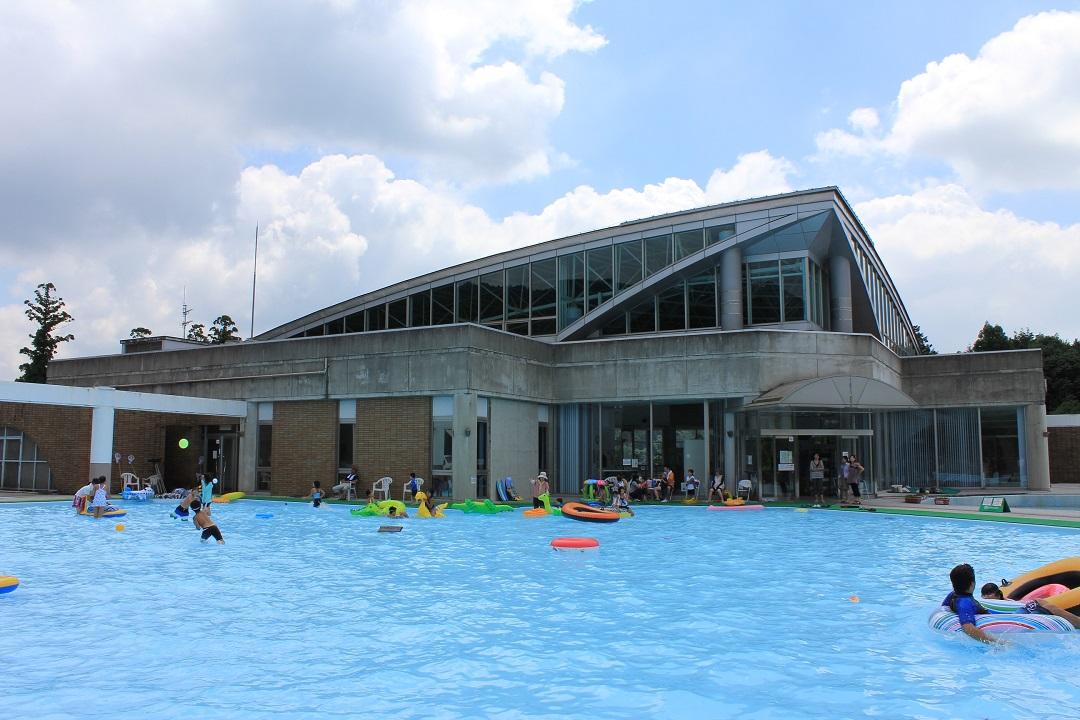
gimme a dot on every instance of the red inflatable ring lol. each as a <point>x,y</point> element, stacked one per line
<point>575,543</point>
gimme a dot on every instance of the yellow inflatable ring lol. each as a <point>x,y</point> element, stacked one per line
<point>8,583</point>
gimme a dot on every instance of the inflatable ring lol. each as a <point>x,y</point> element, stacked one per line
<point>535,512</point>
<point>114,513</point>
<point>8,583</point>
<point>575,543</point>
<point>580,511</point>
<point>1001,622</point>
<point>736,507</point>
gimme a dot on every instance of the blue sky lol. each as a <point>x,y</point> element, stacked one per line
<point>373,143</point>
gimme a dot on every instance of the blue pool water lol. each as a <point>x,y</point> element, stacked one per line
<point>682,613</point>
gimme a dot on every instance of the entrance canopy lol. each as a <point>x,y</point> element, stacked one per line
<point>838,391</point>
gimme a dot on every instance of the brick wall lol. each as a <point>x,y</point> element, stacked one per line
<point>304,446</point>
<point>1064,447</point>
<point>392,438</point>
<point>149,435</point>
<point>62,435</point>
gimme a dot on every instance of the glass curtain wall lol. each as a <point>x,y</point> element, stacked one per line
<point>1000,432</point>
<point>628,265</point>
<point>688,242</point>
<point>442,305</point>
<point>517,299</point>
<point>571,288</point>
<point>22,466</point>
<point>657,253</point>
<point>397,314</point>
<point>420,309</point>
<point>600,275</point>
<point>468,300</point>
<point>544,297</point>
<point>491,299</point>
<point>442,445</point>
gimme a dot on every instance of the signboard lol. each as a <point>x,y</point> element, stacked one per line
<point>626,462</point>
<point>994,504</point>
<point>785,467</point>
<point>785,457</point>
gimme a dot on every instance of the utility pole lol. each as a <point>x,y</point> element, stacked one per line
<point>254,271</point>
<point>184,312</point>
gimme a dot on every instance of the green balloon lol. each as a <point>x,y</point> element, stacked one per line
<point>183,443</point>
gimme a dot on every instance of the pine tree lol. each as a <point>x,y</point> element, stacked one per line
<point>922,343</point>
<point>49,314</point>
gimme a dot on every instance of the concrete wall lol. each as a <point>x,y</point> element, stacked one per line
<point>513,444</point>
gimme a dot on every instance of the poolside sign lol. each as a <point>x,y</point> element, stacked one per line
<point>994,504</point>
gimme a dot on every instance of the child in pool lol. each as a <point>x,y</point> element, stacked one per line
<point>206,491</point>
<point>202,521</point>
<point>961,602</point>
<point>394,514</point>
<point>181,510</point>
<point>100,503</point>
<point>990,591</point>
<point>316,493</point>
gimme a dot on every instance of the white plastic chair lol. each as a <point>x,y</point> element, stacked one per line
<point>382,485</point>
<point>405,488</point>
<point>130,480</point>
<point>744,486</point>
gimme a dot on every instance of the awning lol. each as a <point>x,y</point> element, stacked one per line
<point>838,391</point>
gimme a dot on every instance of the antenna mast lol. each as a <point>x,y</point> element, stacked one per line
<point>184,312</point>
<point>254,271</point>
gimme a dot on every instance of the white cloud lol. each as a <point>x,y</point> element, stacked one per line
<point>139,115</point>
<point>342,226</point>
<point>957,265</point>
<point>1007,119</point>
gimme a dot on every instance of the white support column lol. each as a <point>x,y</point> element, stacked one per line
<point>1038,454</point>
<point>732,292</point>
<point>464,473</point>
<point>101,443</point>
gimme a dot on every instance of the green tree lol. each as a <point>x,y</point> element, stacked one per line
<point>223,330</point>
<point>922,343</point>
<point>140,332</point>
<point>48,312</point>
<point>991,337</point>
<point>197,332</point>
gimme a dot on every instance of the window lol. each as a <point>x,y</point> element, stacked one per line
<point>615,326</point>
<point>601,277</point>
<point>354,323</point>
<point>375,318</point>
<point>420,309</point>
<point>793,271</point>
<point>627,265</point>
<point>542,447</point>
<point>701,301</point>
<point>517,299</point>
<point>657,254</point>
<point>642,318</point>
<point>442,444</point>
<point>571,288</point>
<point>718,233</point>
<point>688,242</point>
<point>543,297</point>
<point>397,314</point>
<point>764,292</point>
<point>468,300</point>
<point>264,452</point>
<point>22,466</point>
<point>491,298</point>
<point>671,308</point>
<point>345,444</point>
<point>335,327</point>
<point>442,305</point>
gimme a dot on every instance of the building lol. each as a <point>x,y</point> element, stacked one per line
<point>741,337</point>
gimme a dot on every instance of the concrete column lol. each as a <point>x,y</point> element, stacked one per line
<point>840,293</point>
<point>464,473</point>
<point>101,443</point>
<point>731,462</point>
<point>1038,455</point>
<point>731,289</point>
<point>247,460</point>
<point>512,444</point>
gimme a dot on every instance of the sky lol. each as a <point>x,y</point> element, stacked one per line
<point>371,142</point>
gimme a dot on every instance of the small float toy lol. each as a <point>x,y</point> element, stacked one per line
<point>228,497</point>
<point>544,498</point>
<point>575,543</point>
<point>587,513</point>
<point>8,583</point>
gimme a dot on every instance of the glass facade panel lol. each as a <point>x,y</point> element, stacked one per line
<point>518,328</point>
<point>688,242</point>
<point>517,293</point>
<point>22,466</point>
<point>468,300</point>
<point>657,253</point>
<point>491,298</point>
<point>335,327</point>
<point>571,288</point>
<point>345,445</point>
<point>642,318</point>
<point>601,277</point>
<point>624,440</point>
<point>442,305</point>
<point>375,318</point>
<point>701,301</point>
<point>420,309</point>
<point>627,265</point>
<point>615,326</point>
<point>764,300</point>
<point>793,271</point>
<point>397,314</point>
<point>671,308</point>
<point>957,445</point>
<point>354,323</point>
<point>718,233</point>
<point>1000,431</point>
<point>543,296</point>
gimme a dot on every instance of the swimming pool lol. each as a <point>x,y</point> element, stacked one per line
<point>682,613</point>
